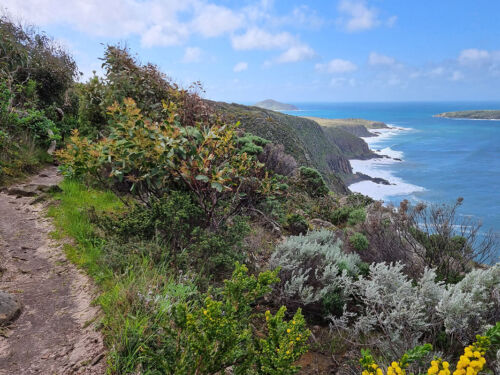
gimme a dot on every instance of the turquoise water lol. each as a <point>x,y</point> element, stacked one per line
<point>443,159</point>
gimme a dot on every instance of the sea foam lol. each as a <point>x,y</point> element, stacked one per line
<point>380,168</point>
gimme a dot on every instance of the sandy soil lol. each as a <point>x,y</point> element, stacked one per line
<point>55,333</point>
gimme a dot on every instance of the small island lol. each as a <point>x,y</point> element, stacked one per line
<point>487,114</point>
<point>273,105</point>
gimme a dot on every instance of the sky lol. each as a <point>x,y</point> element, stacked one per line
<point>291,51</point>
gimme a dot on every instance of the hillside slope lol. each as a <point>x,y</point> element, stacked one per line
<point>327,150</point>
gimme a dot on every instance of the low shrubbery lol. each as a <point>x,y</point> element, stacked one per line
<point>312,182</point>
<point>393,313</point>
<point>156,320</point>
<point>151,158</point>
<point>176,224</point>
<point>477,357</point>
<point>187,186</point>
<point>313,271</point>
<point>359,241</point>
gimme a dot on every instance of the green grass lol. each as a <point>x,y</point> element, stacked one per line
<point>71,220</point>
<point>130,326</point>
<point>369,124</point>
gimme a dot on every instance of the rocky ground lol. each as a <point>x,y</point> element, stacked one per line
<point>45,301</point>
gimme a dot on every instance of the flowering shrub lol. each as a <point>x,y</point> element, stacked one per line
<point>470,363</point>
<point>439,367</point>
<point>151,157</point>
<point>370,367</point>
<point>284,344</point>
<point>221,333</point>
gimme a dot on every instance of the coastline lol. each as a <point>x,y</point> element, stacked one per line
<point>466,118</point>
<point>377,168</point>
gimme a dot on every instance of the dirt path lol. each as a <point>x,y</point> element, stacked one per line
<point>55,333</point>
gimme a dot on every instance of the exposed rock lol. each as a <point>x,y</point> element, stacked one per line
<point>10,308</point>
<point>358,177</point>
<point>322,224</point>
<point>32,190</point>
<point>23,191</point>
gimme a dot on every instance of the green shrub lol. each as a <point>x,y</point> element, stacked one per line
<point>340,215</point>
<point>220,333</point>
<point>359,241</point>
<point>251,144</point>
<point>175,224</point>
<point>312,182</point>
<point>40,127</point>
<point>356,216</point>
<point>296,224</point>
<point>150,158</point>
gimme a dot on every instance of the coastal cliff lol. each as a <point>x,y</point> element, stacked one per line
<point>326,149</point>
<point>355,126</point>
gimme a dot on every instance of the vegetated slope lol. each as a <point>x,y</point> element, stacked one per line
<point>327,150</point>
<point>356,126</point>
<point>275,105</point>
<point>350,144</point>
<point>488,114</point>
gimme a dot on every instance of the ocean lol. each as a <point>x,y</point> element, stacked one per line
<point>441,159</point>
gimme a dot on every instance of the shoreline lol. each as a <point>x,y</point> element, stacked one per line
<point>377,171</point>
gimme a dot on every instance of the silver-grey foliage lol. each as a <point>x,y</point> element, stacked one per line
<point>312,266</point>
<point>394,314</point>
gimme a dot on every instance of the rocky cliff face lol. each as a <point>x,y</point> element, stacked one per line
<point>327,150</point>
<point>351,146</point>
<point>357,130</point>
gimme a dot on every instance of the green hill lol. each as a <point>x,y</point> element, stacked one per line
<point>326,149</point>
<point>487,114</point>
<point>274,105</point>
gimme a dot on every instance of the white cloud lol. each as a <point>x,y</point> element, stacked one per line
<point>302,16</point>
<point>256,38</point>
<point>336,66</point>
<point>213,20</point>
<point>341,81</point>
<point>241,66</point>
<point>357,16</point>
<point>473,55</point>
<point>391,21</point>
<point>438,71</point>
<point>156,22</point>
<point>164,35</point>
<point>394,81</point>
<point>457,76</point>
<point>192,54</point>
<point>379,59</point>
<point>296,53</point>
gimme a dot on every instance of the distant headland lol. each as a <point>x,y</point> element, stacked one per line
<point>273,105</point>
<point>473,115</point>
<point>356,126</point>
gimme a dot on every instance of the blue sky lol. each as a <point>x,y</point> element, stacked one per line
<point>296,51</point>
